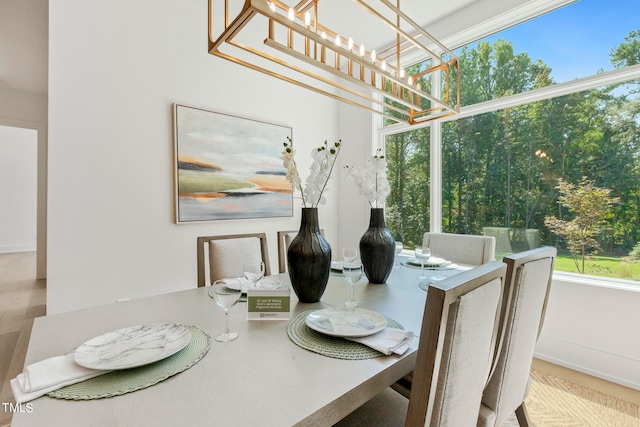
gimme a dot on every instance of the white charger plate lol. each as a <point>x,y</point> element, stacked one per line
<point>346,321</point>
<point>132,346</point>
<point>431,262</point>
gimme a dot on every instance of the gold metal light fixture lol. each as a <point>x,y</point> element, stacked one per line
<point>290,43</point>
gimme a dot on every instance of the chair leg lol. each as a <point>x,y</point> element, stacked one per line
<point>523,416</point>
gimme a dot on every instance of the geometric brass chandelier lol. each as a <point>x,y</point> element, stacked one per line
<point>291,43</point>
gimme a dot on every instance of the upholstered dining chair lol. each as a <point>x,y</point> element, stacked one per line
<point>455,355</point>
<point>284,240</point>
<point>466,249</point>
<point>227,255</point>
<point>528,283</point>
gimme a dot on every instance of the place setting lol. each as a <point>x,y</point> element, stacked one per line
<point>253,277</point>
<point>114,363</point>
<point>423,260</point>
<point>349,332</point>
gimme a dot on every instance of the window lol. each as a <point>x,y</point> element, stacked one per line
<point>503,156</point>
<point>407,208</point>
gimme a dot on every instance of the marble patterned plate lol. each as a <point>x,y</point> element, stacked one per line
<point>431,262</point>
<point>132,346</point>
<point>346,321</point>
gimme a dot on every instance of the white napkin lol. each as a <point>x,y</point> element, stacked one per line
<point>236,283</point>
<point>387,341</point>
<point>48,375</point>
<point>269,283</point>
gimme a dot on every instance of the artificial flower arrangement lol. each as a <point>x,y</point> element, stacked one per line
<point>371,179</point>
<point>324,158</point>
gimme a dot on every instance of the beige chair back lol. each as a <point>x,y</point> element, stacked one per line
<point>457,347</point>
<point>528,282</point>
<point>284,241</point>
<point>465,249</point>
<point>227,255</point>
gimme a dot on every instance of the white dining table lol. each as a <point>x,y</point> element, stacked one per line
<point>261,379</point>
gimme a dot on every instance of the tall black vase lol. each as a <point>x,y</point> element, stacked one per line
<point>309,259</point>
<point>377,249</point>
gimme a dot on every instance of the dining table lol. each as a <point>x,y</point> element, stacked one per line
<point>262,378</point>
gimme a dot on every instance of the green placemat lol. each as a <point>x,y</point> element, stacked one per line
<point>336,347</point>
<point>127,380</point>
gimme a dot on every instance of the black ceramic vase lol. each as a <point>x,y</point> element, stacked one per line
<point>377,249</point>
<point>309,259</point>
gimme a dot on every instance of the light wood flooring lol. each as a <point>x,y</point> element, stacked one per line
<point>22,298</point>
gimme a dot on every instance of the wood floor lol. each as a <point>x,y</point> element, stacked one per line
<point>22,298</point>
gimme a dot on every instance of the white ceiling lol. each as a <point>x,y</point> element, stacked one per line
<point>24,31</point>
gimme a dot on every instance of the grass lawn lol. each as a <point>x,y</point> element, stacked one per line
<point>606,266</point>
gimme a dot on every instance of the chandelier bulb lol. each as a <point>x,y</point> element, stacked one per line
<point>307,19</point>
<point>350,43</point>
<point>291,14</point>
<point>362,50</point>
<point>338,40</point>
<point>272,6</point>
<point>373,56</point>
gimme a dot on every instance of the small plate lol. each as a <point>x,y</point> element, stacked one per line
<point>346,322</point>
<point>336,266</point>
<point>431,262</point>
<point>132,346</point>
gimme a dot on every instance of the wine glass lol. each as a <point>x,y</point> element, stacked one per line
<point>254,271</point>
<point>422,254</point>
<point>352,272</point>
<point>349,254</point>
<point>226,298</point>
<point>398,250</point>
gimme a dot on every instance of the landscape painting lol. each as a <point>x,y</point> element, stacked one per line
<point>229,167</point>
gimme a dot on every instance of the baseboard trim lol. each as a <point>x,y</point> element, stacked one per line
<point>5,249</point>
<point>607,366</point>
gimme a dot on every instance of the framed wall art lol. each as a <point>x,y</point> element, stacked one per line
<point>228,167</point>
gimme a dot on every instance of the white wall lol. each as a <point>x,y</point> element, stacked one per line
<point>593,328</point>
<point>18,189</point>
<point>115,70</point>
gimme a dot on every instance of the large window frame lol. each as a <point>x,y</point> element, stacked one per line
<point>380,132</point>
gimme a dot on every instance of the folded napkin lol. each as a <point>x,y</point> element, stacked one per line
<point>48,375</point>
<point>387,341</point>
<point>269,283</point>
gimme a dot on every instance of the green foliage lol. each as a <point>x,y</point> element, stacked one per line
<point>501,168</point>
<point>628,53</point>
<point>591,209</point>
<point>635,252</point>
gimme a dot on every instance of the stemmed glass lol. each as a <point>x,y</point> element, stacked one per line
<point>398,250</point>
<point>254,271</point>
<point>226,298</point>
<point>352,272</point>
<point>349,254</point>
<point>423,254</point>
